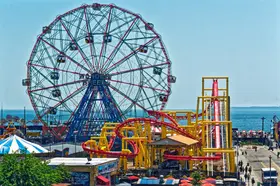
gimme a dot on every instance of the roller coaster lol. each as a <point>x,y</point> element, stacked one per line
<point>209,127</point>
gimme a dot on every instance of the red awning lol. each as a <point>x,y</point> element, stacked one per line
<point>103,179</point>
<point>133,178</point>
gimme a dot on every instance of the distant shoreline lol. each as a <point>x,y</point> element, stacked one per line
<point>166,109</point>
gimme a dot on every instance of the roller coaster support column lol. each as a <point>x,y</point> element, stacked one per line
<point>148,131</point>
<point>152,155</point>
<point>92,144</point>
<point>185,165</point>
<point>163,135</point>
<point>142,159</point>
<point>232,154</point>
<point>203,142</point>
<point>173,115</point>
<point>191,162</point>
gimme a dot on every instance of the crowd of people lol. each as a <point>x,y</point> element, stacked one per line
<point>247,170</point>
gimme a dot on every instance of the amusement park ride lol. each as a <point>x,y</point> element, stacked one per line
<point>99,69</point>
<point>9,130</point>
<point>211,130</point>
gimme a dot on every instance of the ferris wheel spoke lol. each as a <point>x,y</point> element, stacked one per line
<point>118,46</point>
<point>141,86</point>
<point>75,62</point>
<point>72,113</point>
<point>74,41</point>
<point>61,102</point>
<point>48,54</point>
<point>43,96</point>
<point>45,77</point>
<point>98,25</point>
<point>114,102</point>
<point>112,67</point>
<point>152,78</point>
<point>148,98</point>
<point>103,41</point>
<point>57,69</point>
<point>139,38</point>
<point>89,30</point>
<point>135,69</point>
<point>120,26</point>
<point>59,85</point>
<point>124,95</point>
<point>92,45</point>
<point>78,27</point>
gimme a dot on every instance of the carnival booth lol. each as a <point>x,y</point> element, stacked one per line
<point>15,144</point>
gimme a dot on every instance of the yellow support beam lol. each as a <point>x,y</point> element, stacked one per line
<point>215,150</point>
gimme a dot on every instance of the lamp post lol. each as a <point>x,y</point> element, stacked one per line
<point>237,153</point>
<point>75,138</point>
<point>270,170</point>
<point>263,118</point>
<point>62,149</point>
<point>50,148</point>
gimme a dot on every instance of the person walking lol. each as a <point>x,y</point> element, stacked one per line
<point>250,169</point>
<point>246,176</point>
<point>241,169</point>
<point>253,180</point>
<point>249,178</point>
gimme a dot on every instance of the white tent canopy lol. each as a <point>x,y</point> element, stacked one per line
<point>15,144</point>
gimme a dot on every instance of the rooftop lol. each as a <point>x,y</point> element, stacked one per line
<point>80,161</point>
<point>268,169</point>
<point>183,139</point>
<point>175,140</point>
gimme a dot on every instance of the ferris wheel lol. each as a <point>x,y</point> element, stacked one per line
<point>97,63</point>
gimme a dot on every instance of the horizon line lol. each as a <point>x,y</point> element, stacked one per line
<point>254,106</point>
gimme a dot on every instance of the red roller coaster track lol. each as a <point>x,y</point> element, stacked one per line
<point>173,125</point>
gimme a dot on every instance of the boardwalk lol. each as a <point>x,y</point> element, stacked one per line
<point>258,160</point>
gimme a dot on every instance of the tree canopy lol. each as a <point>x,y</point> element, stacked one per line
<point>196,178</point>
<point>27,170</point>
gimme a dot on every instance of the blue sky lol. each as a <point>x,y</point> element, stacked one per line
<point>238,38</point>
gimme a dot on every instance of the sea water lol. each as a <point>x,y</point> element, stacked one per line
<point>243,118</point>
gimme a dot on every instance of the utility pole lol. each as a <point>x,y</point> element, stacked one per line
<point>24,120</point>
<point>270,169</point>
<point>2,115</point>
<point>1,122</point>
<point>263,118</point>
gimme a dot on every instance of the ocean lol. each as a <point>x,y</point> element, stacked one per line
<point>243,118</point>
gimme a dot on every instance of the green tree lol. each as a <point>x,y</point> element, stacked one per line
<point>196,178</point>
<point>27,170</point>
